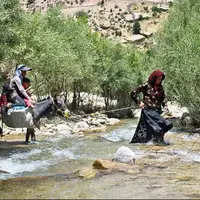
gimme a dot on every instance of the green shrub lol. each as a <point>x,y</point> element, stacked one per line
<point>155,9</point>
<point>171,4</point>
<point>82,15</point>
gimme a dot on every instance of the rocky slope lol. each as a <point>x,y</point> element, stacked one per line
<point>113,19</point>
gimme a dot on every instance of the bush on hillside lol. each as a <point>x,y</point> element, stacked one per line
<point>155,9</point>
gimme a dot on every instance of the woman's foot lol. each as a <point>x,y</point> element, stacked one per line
<point>162,143</point>
<point>159,141</point>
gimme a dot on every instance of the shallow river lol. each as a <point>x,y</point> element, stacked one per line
<point>48,169</point>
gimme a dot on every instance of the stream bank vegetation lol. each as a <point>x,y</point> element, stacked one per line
<point>176,51</point>
<point>67,57</point>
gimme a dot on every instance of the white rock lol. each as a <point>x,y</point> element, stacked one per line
<point>48,126</point>
<point>61,127</point>
<point>112,121</point>
<point>135,38</point>
<point>147,33</point>
<point>141,16</point>
<point>137,113</point>
<point>176,110</point>
<point>105,25</point>
<point>80,126</point>
<point>124,155</point>
<point>129,18</point>
<point>64,129</point>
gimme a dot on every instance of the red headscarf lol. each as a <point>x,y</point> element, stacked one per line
<point>157,88</point>
<point>154,75</point>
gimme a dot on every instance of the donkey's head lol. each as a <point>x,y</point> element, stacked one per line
<point>47,107</point>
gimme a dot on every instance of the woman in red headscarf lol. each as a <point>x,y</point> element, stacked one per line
<point>152,126</point>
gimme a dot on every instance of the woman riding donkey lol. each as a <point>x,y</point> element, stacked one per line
<point>13,91</point>
<point>152,126</point>
<point>19,94</point>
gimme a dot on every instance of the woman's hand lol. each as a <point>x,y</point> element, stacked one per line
<point>141,104</point>
<point>32,101</point>
<point>166,109</point>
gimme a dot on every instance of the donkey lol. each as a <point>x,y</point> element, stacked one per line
<point>30,118</point>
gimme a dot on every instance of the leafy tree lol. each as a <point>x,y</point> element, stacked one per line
<point>10,15</point>
<point>66,56</point>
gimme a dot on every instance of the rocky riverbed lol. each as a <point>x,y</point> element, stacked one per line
<point>68,127</point>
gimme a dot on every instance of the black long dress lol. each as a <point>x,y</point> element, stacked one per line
<point>151,126</point>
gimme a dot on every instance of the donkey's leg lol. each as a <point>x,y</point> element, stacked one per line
<point>28,133</point>
<point>33,138</point>
<point>1,132</point>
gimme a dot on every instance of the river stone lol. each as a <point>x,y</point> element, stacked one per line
<point>184,178</point>
<point>106,164</point>
<point>3,172</point>
<point>101,121</point>
<point>87,173</point>
<point>112,121</point>
<point>80,126</point>
<point>95,122</point>
<point>124,155</point>
<point>49,126</point>
<point>137,113</point>
<point>64,129</point>
<point>96,129</point>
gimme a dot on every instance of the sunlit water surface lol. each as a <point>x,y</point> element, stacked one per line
<point>168,172</point>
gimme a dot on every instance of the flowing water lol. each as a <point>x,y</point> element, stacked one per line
<point>49,168</point>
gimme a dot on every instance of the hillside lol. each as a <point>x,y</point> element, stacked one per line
<point>113,19</point>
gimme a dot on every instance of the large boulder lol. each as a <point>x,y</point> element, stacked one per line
<point>137,38</point>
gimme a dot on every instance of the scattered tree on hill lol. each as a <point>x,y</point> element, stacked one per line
<point>136,27</point>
